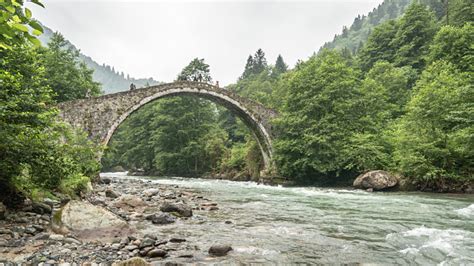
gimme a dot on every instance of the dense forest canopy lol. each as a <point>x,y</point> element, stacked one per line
<point>393,92</point>
<point>361,106</point>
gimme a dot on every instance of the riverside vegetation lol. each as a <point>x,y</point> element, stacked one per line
<point>403,102</point>
<point>394,92</point>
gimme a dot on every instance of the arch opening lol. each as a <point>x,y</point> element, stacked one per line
<point>250,119</point>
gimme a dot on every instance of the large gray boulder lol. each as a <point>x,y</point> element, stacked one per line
<point>88,221</point>
<point>375,180</point>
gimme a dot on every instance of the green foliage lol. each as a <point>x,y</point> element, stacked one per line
<point>197,70</point>
<point>67,76</point>
<point>404,42</point>
<point>36,153</point>
<point>416,29</point>
<point>362,27</point>
<point>172,136</point>
<point>255,65</point>
<point>460,12</point>
<point>318,119</point>
<point>455,45</point>
<point>17,25</point>
<point>435,138</point>
<point>74,184</point>
<point>379,45</point>
<point>280,67</point>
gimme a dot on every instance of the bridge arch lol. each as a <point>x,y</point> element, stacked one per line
<point>101,116</point>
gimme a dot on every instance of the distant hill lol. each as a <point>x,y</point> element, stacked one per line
<point>354,37</point>
<point>112,80</point>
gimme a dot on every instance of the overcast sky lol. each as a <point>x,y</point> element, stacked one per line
<point>158,38</point>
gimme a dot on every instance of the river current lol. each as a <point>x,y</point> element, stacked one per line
<point>290,225</point>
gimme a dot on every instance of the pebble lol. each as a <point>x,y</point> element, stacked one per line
<point>56,237</point>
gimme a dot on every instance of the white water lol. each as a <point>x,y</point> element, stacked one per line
<point>274,224</point>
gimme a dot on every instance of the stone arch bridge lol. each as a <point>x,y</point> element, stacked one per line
<point>100,116</point>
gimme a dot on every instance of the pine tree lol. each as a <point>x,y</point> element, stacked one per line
<point>280,67</point>
<point>248,68</point>
<point>415,33</point>
<point>259,62</point>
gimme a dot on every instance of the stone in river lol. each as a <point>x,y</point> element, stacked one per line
<point>376,180</point>
<point>155,253</point>
<point>147,242</point>
<point>109,193</point>
<point>163,218</point>
<point>180,208</point>
<point>219,250</point>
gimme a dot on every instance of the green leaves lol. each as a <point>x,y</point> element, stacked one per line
<point>37,153</point>
<point>15,22</point>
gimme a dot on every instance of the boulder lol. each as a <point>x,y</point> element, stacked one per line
<point>219,250</point>
<point>179,208</point>
<point>147,242</point>
<point>151,192</point>
<point>376,180</point>
<point>89,221</point>
<point>129,202</point>
<point>41,208</point>
<point>163,218</point>
<point>155,253</point>
<point>105,180</point>
<point>109,193</point>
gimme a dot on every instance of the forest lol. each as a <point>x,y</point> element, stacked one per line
<point>397,95</point>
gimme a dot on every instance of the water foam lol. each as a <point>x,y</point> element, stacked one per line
<point>444,240</point>
<point>467,212</point>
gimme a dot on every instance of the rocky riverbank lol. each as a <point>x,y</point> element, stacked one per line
<point>122,218</point>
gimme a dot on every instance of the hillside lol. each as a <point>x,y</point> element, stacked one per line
<point>112,80</point>
<point>353,37</point>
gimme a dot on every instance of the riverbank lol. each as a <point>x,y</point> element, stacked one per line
<point>263,224</point>
<point>403,184</point>
<point>144,211</point>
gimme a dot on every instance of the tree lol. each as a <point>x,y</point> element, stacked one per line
<point>248,68</point>
<point>460,12</point>
<point>259,62</point>
<point>415,32</point>
<point>68,77</point>
<point>454,44</point>
<point>379,45</point>
<point>318,118</point>
<point>434,142</point>
<point>280,67</point>
<point>197,70</point>
<point>37,153</point>
<point>16,23</point>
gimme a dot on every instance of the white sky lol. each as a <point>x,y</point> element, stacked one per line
<point>158,38</point>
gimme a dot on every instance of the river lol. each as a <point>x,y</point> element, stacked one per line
<point>273,224</point>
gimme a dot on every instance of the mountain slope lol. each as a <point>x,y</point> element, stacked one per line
<point>111,79</point>
<point>352,38</point>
